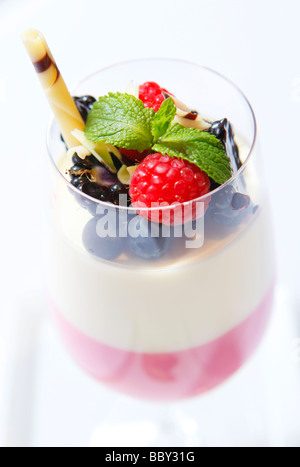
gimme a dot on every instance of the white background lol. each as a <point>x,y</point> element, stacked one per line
<point>255,43</point>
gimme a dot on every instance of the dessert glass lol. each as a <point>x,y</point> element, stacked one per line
<point>179,325</point>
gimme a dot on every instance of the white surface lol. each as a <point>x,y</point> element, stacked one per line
<point>254,42</point>
<point>51,402</point>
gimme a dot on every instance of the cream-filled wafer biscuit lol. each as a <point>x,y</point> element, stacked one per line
<point>62,103</point>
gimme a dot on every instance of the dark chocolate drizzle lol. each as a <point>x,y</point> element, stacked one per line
<point>57,74</point>
<point>192,115</point>
<point>43,64</point>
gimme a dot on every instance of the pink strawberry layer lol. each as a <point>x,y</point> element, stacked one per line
<point>168,376</point>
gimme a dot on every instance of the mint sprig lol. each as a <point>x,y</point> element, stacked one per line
<point>123,121</point>
<point>199,147</point>
<point>120,120</point>
<point>162,118</point>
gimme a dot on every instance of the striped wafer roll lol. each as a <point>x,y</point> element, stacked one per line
<point>57,93</point>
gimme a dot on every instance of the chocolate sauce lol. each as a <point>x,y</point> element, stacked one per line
<point>57,75</point>
<point>222,129</point>
<point>43,64</point>
<point>192,115</point>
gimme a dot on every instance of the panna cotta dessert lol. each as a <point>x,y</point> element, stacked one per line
<point>161,262</point>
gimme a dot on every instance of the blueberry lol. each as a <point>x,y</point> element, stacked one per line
<point>95,191</point>
<point>79,181</point>
<point>227,207</point>
<point>109,247</point>
<point>83,163</point>
<point>92,161</point>
<point>240,202</point>
<point>87,100</point>
<point>144,245</point>
<point>82,200</point>
<point>76,170</point>
<point>83,184</point>
<point>82,110</point>
<point>92,208</point>
<point>92,178</point>
<point>96,209</point>
<point>84,105</point>
<point>116,190</point>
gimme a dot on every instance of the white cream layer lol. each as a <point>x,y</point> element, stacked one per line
<point>162,309</point>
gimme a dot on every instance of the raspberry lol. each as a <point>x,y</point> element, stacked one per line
<point>152,95</point>
<point>162,181</point>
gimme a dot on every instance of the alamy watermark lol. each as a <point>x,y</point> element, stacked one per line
<point>160,220</point>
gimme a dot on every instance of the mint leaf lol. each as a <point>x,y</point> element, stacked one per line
<point>120,120</point>
<point>198,147</point>
<point>163,118</point>
<point>123,121</point>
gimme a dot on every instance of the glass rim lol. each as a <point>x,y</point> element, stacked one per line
<point>202,198</point>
